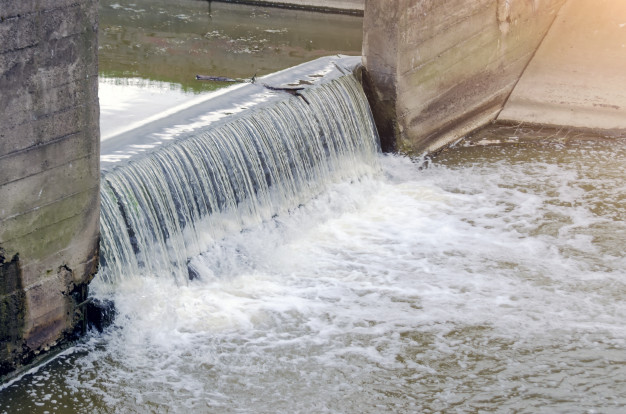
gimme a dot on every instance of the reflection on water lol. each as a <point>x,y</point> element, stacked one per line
<point>493,280</point>
<point>151,50</point>
<point>173,40</point>
<point>125,102</point>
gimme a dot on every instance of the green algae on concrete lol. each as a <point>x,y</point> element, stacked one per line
<point>12,312</point>
<point>49,173</point>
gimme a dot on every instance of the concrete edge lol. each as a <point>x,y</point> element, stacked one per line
<point>218,107</point>
<point>290,5</point>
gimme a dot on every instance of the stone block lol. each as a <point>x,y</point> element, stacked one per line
<point>51,214</point>
<point>50,311</point>
<point>12,8</point>
<point>41,158</point>
<point>49,180</point>
<point>70,238</point>
<point>49,128</point>
<point>48,186</point>
<point>81,257</point>
<point>12,312</point>
<point>441,69</point>
<point>18,33</point>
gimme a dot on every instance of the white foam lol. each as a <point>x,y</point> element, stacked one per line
<point>449,288</point>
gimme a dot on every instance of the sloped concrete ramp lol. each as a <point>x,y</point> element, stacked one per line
<point>578,75</point>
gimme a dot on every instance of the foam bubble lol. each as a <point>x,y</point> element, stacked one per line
<point>462,286</point>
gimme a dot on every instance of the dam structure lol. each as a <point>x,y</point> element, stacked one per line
<point>172,188</point>
<point>434,72</point>
<point>439,71</point>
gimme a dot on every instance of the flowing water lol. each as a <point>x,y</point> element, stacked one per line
<point>166,207</point>
<point>488,279</point>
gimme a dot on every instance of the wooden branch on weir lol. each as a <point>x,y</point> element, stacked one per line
<point>293,90</point>
<point>218,79</point>
<point>225,79</point>
<point>289,89</point>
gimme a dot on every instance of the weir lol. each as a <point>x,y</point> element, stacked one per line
<point>236,160</point>
<point>435,73</point>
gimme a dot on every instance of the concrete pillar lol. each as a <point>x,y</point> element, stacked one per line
<point>49,171</point>
<point>436,70</point>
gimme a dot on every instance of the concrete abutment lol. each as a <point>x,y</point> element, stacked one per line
<point>438,70</point>
<point>49,172</point>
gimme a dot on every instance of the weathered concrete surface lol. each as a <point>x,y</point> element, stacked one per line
<point>438,70</point>
<point>578,75</point>
<point>49,171</point>
<point>341,6</point>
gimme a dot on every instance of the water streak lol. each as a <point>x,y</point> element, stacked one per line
<point>491,281</point>
<point>163,208</point>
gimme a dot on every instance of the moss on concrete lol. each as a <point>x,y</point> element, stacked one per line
<point>49,190</point>
<point>12,313</point>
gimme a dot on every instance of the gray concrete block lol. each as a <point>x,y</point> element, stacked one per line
<point>453,66</point>
<point>46,129</point>
<point>12,8</point>
<point>48,186</point>
<point>18,33</point>
<point>74,251</point>
<point>44,216</point>
<point>50,312</point>
<point>49,165</point>
<point>576,78</point>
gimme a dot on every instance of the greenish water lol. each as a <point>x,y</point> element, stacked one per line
<point>151,51</point>
<point>173,40</point>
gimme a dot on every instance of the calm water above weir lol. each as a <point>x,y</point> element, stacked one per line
<point>173,40</point>
<point>491,279</point>
<point>151,50</point>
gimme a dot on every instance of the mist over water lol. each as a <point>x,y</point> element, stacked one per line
<point>493,279</point>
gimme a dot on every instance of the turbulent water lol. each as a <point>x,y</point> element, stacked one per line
<point>162,209</point>
<point>490,281</point>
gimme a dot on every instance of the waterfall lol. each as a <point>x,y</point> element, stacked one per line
<point>169,205</point>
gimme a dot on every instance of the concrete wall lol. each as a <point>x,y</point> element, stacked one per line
<point>342,6</point>
<point>578,75</point>
<point>49,171</point>
<point>436,70</point>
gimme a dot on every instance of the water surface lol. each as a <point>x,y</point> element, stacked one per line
<point>492,280</point>
<point>173,40</point>
<point>150,51</point>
